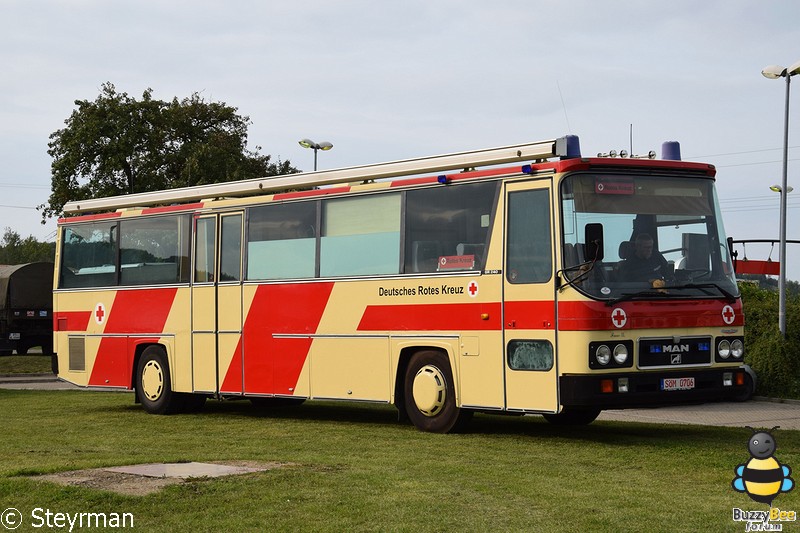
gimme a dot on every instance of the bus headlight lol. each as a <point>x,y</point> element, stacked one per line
<point>620,354</point>
<point>603,354</point>
<point>737,349</point>
<point>724,349</point>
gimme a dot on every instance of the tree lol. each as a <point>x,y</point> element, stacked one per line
<point>14,250</point>
<point>117,145</point>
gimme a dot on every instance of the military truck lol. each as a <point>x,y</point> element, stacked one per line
<point>26,308</point>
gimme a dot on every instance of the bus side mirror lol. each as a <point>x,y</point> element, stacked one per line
<point>593,238</point>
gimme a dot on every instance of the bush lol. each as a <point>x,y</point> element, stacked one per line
<point>775,360</point>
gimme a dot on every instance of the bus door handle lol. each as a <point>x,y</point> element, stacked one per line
<point>512,324</point>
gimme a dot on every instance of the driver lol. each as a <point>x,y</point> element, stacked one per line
<point>644,265</point>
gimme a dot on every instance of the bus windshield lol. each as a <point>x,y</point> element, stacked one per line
<point>644,237</point>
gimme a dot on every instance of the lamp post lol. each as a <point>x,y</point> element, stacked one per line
<point>308,143</point>
<point>774,72</point>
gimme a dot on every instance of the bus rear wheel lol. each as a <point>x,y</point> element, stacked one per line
<point>429,394</point>
<point>153,385</point>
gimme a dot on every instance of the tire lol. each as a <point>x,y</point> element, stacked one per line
<point>429,394</point>
<point>573,417</point>
<point>22,350</point>
<point>153,385</point>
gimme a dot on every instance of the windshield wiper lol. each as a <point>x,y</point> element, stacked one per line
<point>729,297</point>
<point>661,292</point>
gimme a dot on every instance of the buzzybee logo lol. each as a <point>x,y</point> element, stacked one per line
<point>762,477</point>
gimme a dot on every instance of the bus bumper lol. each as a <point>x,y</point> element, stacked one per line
<point>629,390</point>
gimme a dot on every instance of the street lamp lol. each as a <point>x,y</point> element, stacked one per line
<point>308,143</point>
<point>774,72</point>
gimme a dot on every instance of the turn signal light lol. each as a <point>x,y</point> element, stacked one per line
<point>607,386</point>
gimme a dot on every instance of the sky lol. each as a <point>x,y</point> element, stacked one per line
<point>387,81</point>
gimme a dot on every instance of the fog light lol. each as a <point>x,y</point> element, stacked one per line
<point>607,386</point>
<point>727,379</point>
<point>622,385</point>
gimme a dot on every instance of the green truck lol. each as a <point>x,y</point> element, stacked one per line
<point>26,308</point>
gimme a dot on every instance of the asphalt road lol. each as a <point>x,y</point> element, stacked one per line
<point>758,413</point>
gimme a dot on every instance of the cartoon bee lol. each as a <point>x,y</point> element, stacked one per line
<point>762,477</point>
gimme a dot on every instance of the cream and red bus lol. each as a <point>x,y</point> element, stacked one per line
<point>495,280</point>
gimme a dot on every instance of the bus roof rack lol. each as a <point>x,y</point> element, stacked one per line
<point>407,167</point>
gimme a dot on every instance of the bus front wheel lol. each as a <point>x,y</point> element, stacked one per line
<point>153,382</point>
<point>429,394</point>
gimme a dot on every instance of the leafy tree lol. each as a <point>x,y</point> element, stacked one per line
<point>774,358</point>
<point>118,144</point>
<point>14,250</point>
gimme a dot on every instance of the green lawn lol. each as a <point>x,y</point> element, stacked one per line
<point>25,364</point>
<point>356,468</point>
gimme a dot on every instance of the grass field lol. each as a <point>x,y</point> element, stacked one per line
<point>354,468</point>
<point>25,364</point>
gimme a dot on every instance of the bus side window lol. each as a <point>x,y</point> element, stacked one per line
<point>205,235</point>
<point>425,255</point>
<point>447,221</point>
<point>529,257</point>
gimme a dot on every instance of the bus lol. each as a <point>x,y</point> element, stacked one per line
<point>497,280</point>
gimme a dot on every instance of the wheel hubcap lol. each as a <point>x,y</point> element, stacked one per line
<point>152,381</point>
<point>430,390</point>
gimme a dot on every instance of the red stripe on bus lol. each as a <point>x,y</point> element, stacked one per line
<point>132,312</point>
<point>86,218</point>
<point>572,316</point>
<point>592,316</point>
<point>273,365</point>
<point>531,314</point>
<point>306,194</point>
<point>232,382</point>
<point>71,320</point>
<point>172,208</point>
<point>431,317</point>
<point>140,311</point>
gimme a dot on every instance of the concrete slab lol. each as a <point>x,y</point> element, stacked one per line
<point>185,470</point>
<point>44,382</point>
<point>757,414</point>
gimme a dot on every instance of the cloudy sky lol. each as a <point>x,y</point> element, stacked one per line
<point>385,81</point>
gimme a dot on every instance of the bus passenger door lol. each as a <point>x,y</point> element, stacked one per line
<point>217,304</point>
<point>531,367</point>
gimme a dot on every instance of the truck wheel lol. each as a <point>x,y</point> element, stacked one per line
<point>429,394</point>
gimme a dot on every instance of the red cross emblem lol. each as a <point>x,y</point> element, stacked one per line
<point>472,288</point>
<point>619,317</point>
<point>728,314</point>
<point>99,313</point>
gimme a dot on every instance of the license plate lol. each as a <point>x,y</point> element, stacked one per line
<point>13,336</point>
<point>669,384</point>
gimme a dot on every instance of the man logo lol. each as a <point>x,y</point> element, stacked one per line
<point>675,348</point>
<point>675,359</point>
